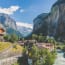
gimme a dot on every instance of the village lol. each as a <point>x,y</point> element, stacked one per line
<point>12,51</point>
<point>32,32</point>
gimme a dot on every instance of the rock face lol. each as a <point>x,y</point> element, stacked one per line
<point>8,23</point>
<point>53,23</point>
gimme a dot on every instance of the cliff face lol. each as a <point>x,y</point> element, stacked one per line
<point>39,23</point>
<point>52,24</point>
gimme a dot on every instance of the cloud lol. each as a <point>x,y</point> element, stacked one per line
<point>9,10</point>
<point>27,25</point>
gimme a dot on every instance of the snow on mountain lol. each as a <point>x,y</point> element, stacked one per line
<point>24,28</point>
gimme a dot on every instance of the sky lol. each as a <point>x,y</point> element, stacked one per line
<point>24,11</point>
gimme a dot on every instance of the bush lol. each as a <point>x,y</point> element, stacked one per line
<point>6,37</point>
<point>58,47</point>
<point>63,49</point>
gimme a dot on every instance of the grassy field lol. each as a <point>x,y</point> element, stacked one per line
<point>15,48</point>
<point>4,45</point>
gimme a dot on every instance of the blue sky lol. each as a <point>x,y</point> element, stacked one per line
<point>25,10</point>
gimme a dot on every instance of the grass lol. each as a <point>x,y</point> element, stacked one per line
<point>4,45</point>
<point>16,48</point>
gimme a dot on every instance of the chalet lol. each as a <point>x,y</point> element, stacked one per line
<point>2,32</point>
<point>48,46</point>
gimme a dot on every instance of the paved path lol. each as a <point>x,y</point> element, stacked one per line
<point>60,59</point>
<point>4,53</point>
<point>10,59</point>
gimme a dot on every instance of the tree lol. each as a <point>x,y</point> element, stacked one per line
<point>41,38</point>
<point>49,40</point>
<point>42,53</point>
<point>6,37</point>
<point>34,55</point>
<point>63,49</point>
<point>13,38</point>
<point>41,56</point>
<point>50,58</point>
<point>54,43</point>
<point>23,39</point>
<point>34,36</point>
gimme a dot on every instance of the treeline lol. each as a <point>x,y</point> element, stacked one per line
<point>12,37</point>
<point>41,38</point>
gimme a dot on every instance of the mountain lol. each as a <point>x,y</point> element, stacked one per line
<point>9,24</point>
<point>24,30</point>
<point>53,23</point>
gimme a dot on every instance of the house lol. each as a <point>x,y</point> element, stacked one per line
<point>2,32</point>
<point>48,46</point>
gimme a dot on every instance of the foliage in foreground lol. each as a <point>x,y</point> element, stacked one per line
<point>39,56</point>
